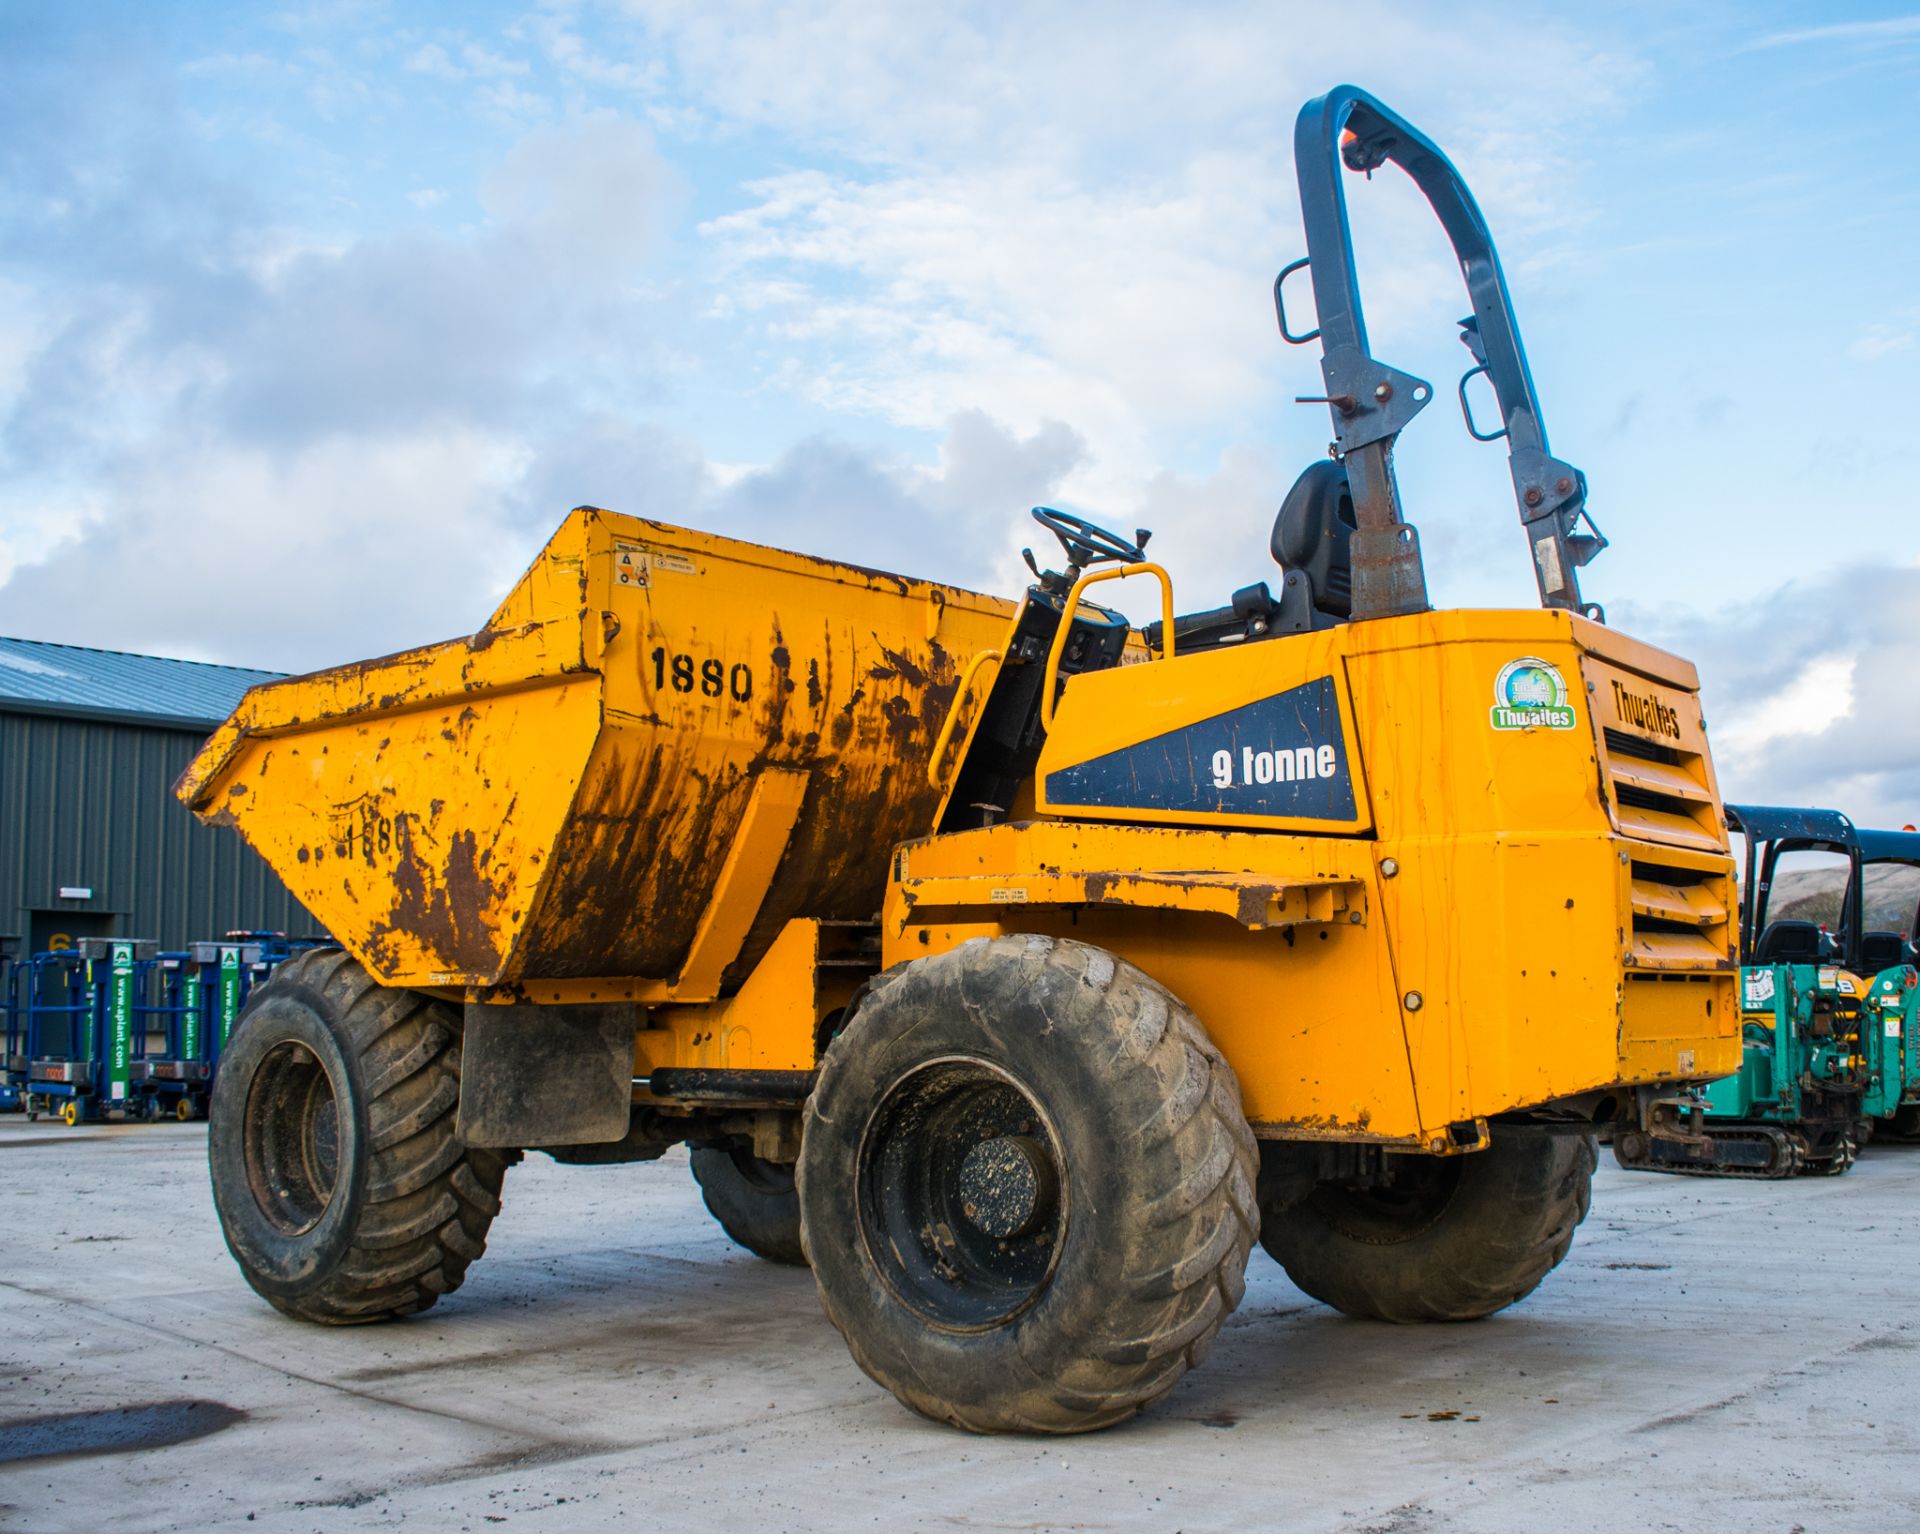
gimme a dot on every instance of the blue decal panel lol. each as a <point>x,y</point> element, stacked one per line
<point>1284,756</point>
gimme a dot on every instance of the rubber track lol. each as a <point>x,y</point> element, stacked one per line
<point>429,1199</point>
<point>1796,1163</point>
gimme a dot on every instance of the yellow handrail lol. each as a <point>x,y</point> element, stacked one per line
<point>1050,683</point>
<point>945,737</point>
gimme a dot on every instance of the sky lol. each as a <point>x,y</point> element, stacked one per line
<point>316,318</point>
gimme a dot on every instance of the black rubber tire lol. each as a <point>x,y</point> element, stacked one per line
<point>1152,1191</point>
<point>755,1201</point>
<point>1477,1234</point>
<point>408,1205</point>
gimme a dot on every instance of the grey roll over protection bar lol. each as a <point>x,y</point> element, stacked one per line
<point>1371,403</point>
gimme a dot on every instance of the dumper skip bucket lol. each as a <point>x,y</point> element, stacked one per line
<point>662,747</point>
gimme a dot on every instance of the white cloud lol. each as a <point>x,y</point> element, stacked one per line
<point>946,83</point>
<point>24,328</point>
<point>928,295</point>
<point>569,52</point>
<point>254,63</point>
<point>1887,337</point>
<point>485,64</point>
<point>1837,729</point>
<point>1817,698</point>
<point>1211,530</point>
<point>951,521</point>
<point>274,411</point>
<point>509,100</point>
<point>34,530</point>
<point>285,448</point>
<point>366,543</point>
<point>1074,213</point>
<point>348,547</point>
<point>1042,238</point>
<point>432,59</point>
<point>1884,30</point>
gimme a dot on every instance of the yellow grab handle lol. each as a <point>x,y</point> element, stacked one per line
<point>945,737</point>
<point>1050,683</point>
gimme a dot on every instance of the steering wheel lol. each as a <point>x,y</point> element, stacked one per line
<point>1086,542</point>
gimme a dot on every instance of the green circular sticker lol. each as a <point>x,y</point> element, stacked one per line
<point>1530,694</point>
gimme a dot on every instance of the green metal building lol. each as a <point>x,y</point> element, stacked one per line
<point>92,841</point>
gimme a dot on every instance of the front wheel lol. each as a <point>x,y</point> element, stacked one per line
<point>1027,1187</point>
<point>1447,1238</point>
<point>343,1190</point>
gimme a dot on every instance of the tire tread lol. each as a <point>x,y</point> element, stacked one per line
<point>1190,1240</point>
<point>1506,1247</point>
<point>429,1199</point>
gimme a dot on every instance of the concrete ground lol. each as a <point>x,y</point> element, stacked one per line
<point>1713,1356</point>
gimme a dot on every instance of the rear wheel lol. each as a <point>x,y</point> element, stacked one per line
<point>1448,1238</point>
<point>343,1191</point>
<point>1026,1187</point>
<point>755,1201</point>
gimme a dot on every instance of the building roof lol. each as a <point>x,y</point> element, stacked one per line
<point>76,682</point>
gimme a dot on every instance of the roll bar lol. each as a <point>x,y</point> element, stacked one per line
<point>1771,830</point>
<point>1371,402</point>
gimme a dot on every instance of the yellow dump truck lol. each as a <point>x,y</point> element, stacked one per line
<point>1018,968</point>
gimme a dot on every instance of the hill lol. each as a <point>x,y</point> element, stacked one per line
<point>1814,895</point>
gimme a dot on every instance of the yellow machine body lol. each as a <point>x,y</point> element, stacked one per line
<point>1506,914</point>
<point>685,772</point>
<point>663,747</point>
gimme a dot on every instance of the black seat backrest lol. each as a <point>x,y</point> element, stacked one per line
<point>1788,942</point>
<point>1312,534</point>
<point>1882,950</point>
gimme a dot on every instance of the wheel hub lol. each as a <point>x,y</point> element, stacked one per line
<point>292,1138</point>
<point>962,1195</point>
<point>1006,1185</point>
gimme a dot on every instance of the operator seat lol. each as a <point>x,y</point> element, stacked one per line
<point>1311,541</point>
<point>1788,942</point>
<point>1882,950</point>
<point>1313,534</point>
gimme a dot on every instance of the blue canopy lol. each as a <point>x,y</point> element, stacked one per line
<point>1767,823</point>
